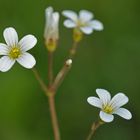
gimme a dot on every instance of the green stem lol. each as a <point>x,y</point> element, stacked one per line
<point>61,75</point>
<point>73,50</point>
<point>94,127</point>
<point>50,96</point>
<point>54,117</point>
<point>42,84</point>
<point>50,67</point>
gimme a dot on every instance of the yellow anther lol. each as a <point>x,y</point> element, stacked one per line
<point>108,109</point>
<point>14,52</point>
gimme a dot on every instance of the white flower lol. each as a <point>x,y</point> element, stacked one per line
<point>110,106</point>
<point>16,51</point>
<point>84,21</point>
<point>51,27</point>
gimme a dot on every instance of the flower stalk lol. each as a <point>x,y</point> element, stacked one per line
<point>54,119</point>
<point>94,127</point>
<point>50,67</point>
<point>73,50</point>
<point>42,84</point>
<point>51,98</point>
<point>61,75</point>
<point>52,91</point>
<point>77,37</point>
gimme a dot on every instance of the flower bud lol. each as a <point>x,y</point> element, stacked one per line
<point>51,34</point>
<point>69,62</point>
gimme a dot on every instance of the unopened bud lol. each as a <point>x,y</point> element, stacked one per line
<point>51,33</point>
<point>69,62</point>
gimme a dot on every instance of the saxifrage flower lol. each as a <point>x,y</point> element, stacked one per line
<point>84,21</point>
<point>14,51</point>
<point>51,33</point>
<point>110,106</point>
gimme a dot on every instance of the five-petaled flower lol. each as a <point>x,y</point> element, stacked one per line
<point>110,106</point>
<point>14,51</point>
<point>84,21</point>
<point>51,33</point>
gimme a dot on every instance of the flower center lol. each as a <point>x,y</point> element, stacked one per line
<point>80,23</point>
<point>15,52</point>
<point>108,109</point>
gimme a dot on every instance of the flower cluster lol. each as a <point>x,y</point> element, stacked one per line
<point>82,23</point>
<point>15,50</point>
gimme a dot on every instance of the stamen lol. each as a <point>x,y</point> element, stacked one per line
<point>108,109</point>
<point>15,52</point>
<point>80,24</point>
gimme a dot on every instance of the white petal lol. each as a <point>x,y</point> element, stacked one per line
<point>6,63</point>
<point>96,25</point>
<point>27,60</point>
<point>27,42</point>
<point>48,16</point>
<point>49,10</point>
<point>70,14</point>
<point>124,113</point>
<point>69,24</point>
<point>104,95</point>
<point>86,30</point>
<point>119,100</point>
<point>56,17</point>
<point>55,23</point>
<point>3,49</point>
<point>52,24</point>
<point>85,15</point>
<point>95,102</point>
<point>10,36</point>
<point>106,117</point>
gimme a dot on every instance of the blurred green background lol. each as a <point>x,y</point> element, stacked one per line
<point>108,59</point>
